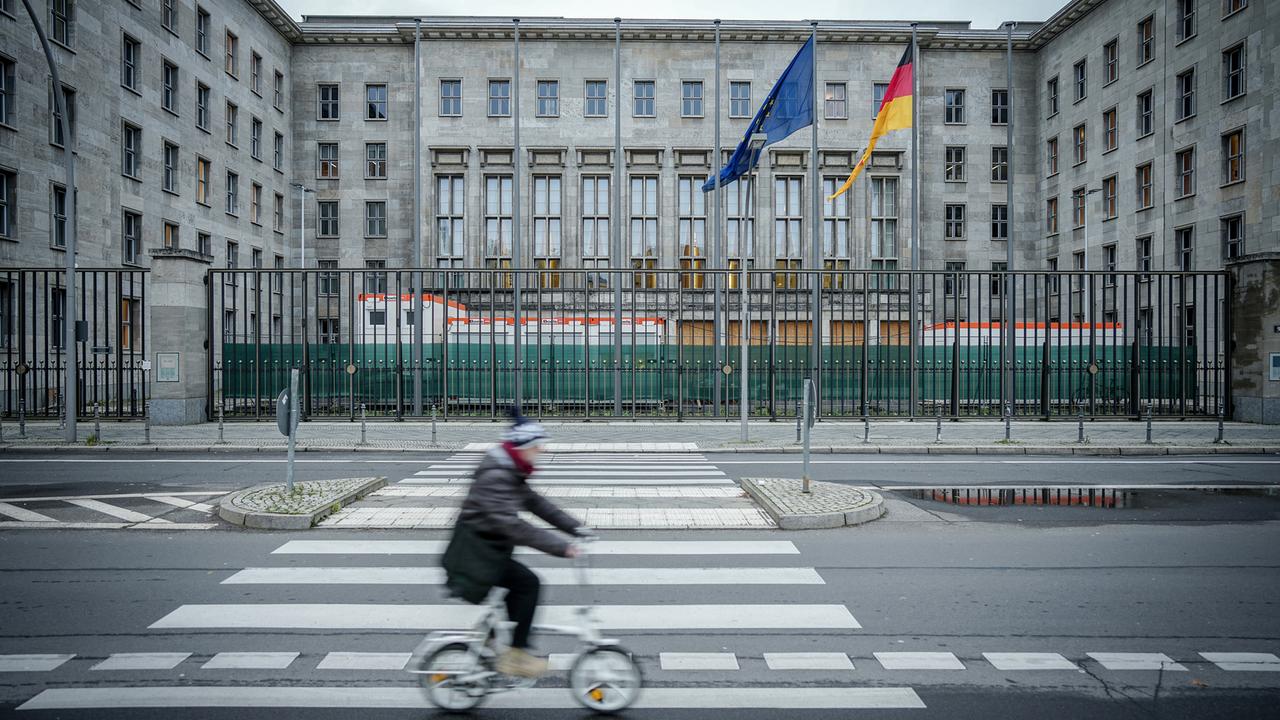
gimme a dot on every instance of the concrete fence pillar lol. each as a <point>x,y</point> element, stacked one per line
<point>1255,336</point>
<point>179,324</point>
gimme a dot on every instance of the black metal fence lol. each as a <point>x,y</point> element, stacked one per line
<point>667,343</point>
<point>111,346</point>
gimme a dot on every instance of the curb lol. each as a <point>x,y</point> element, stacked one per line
<point>232,512</point>
<point>853,515</point>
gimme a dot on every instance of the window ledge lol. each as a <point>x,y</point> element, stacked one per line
<point>172,32</point>
<point>204,130</point>
<point>9,127</point>
<point>1184,197</point>
<point>1109,219</point>
<point>320,119</point>
<point>1143,137</point>
<point>62,45</point>
<point>1079,100</point>
<point>203,204</point>
<point>279,170</point>
<point>135,91</point>
<point>174,193</point>
<point>1233,182</point>
<point>1144,209</point>
<point>59,248</point>
<point>955,182</point>
<point>1234,13</point>
<point>368,119</point>
<point>1108,152</point>
<point>171,111</point>
<point>1109,83</point>
<point>1184,119</point>
<point>1051,175</point>
<point>1234,98</point>
<point>1186,39</point>
<point>1078,164</point>
<point>1146,62</point>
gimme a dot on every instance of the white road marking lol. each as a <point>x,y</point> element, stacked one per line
<point>142,661</point>
<point>157,524</point>
<point>697,661</point>
<point>250,661</point>
<point>23,514</point>
<point>552,468</point>
<point>593,479</point>
<point>63,498</point>
<point>808,661</point>
<point>1093,460</point>
<point>32,663</point>
<point>364,661</point>
<point>162,524</point>
<point>442,518</point>
<point>450,617</point>
<point>112,510</point>
<point>589,491</point>
<point>918,661</point>
<point>560,662</point>
<point>780,698</point>
<point>600,547</point>
<point>1029,661</point>
<point>1135,661</point>
<point>1244,661</point>
<point>179,502</point>
<point>549,576</point>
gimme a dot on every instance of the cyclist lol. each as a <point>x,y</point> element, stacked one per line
<point>499,492</point>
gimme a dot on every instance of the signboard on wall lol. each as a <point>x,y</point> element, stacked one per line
<point>1275,367</point>
<point>167,367</point>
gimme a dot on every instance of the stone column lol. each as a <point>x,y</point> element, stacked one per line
<point>179,299</point>
<point>1255,337</point>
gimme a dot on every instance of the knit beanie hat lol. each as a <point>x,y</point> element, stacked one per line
<point>523,431</point>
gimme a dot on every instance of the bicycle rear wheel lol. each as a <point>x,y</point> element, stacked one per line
<point>440,679</point>
<point>605,679</point>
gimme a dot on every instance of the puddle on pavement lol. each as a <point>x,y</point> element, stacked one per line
<point>1090,497</point>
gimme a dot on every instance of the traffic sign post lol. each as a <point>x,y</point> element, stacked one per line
<point>287,420</point>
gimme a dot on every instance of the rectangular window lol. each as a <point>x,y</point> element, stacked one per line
<point>375,219</point>
<point>375,160</point>
<point>328,107</point>
<point>955,282</point>
<point>884,219</point>
<point>1232,236</point>
<point>1145,196</point>
<point>1185,106</point>
<point>499,98</point>
<point>203,23</point>
<point>1110,130</point>
<point>739,99</point>
<point>328,159</point>
<point>62,14</point>
<point>170,239</point>
<point>130,56</point>
<point>1233,156</point>
<point>57,315</point>
<point>255,138</point>
<point>327,212</point>
<point>1109,264</point>
<point>1146,39</point>
<point>328,284</point>
<point>130,319</point>
<point>999,164</point>
<point>130,147</point>
<point>953,170</point>
<point>953,228</point>
<point>1000,222</point>
<point>836,101</point>
<point>546,217</point>
<point>1051,91</point>
<point>1079,137</point>
<point>277,152</point>
<point>1078,209</point>
<point>1051,156</point>
<point>202,181</point>
<point>233,49</point>
<point>998,279</point>
<point>233,193</point>
<point>788,213</point>
<point>1000,107</point>
<point>277,218</point>
<point>170,180</point>
<point>255,204</point>
<point>169,14</point>
<point>691,223</point>
<point>1144,255</point>
<point>643,90</point>
<point>6,91</point>
<point>1185,168</point>
<point>1080,72</point>
<point>878,91</point>
<point>450,98</point>
<point>691,99</point>
<point>255,73</point>
<point>597,99</point>
<point>1110,191</point>
<point>1233,59</point>
<point>69,102</point>
<point>595,220</point>
<point>375,100</point>
<point>202,106</point>
<point>497,218</point>
<point>1146,111</point>
<point>1051,216</point>
<point>1111,56</point>
<point>204,243</point>
<point>450,203</point>
<point>643,233</point>
<point>1186,19</point>
<point>233,130</point>
<point>740,209</point>
<point>548,98</point>
<point>1231,7</point>
<point>330,330</point>
<point>836,227</point>
<point>169,87</point>
<point>376,282</point>
<point>278,86</point>
<point>953,110</point>
<point>58,211</point>
<point>1185,242</point>
<point>131,237</point>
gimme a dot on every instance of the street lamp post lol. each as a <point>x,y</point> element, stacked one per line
<point>302,231</point>
<point>755,144</point>
<point>1088,311</point>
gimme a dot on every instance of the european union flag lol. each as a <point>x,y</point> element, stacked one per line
<point>787,108</point>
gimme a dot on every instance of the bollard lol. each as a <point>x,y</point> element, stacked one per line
<point>22,417</point>
<point>97,422</point>
<point>1080,424</point>
<point>805,402</point>
<point>1220,439</point>
<point>1008,413</point>
<point>363,418</point>
<point>1148,442</point>
<point>220,418</point>
<point>938,436</point>
<point>866,429</point>
<point>146,422</point>
<point>433,424</point>
<point>805,409</point>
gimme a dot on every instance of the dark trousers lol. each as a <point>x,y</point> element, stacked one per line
<point>522,599</point>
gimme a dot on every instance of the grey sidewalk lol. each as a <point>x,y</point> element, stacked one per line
<point>1028,436</point>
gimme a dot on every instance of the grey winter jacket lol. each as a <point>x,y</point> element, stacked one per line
<point>499,492</point>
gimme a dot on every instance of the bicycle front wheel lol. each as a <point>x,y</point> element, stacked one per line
<point>605,679</point>
<point>450,677</point>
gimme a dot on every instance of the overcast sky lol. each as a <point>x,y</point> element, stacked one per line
<point>983,13</point>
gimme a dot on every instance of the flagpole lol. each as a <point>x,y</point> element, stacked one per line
<point>1008,216</point>
<point>815,231</point>
<point>717,249</point>
<point>615,215</point>
<point>418,302</point>
<point>913,322</point>
<point>515,199</point>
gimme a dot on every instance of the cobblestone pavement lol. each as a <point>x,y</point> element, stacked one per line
<point>306,496</point>
<point>786,494</point>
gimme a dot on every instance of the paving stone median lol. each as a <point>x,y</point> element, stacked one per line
<point>827,505</point>
<point>274,507</point>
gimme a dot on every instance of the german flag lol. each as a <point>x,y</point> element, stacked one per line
<point>894,114</point>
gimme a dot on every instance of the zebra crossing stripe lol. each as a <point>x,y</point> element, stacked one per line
<point>780,698</point>
<point>1244,661</point>
<point>32,663</point>
<point>1029,661</point>
<point>364,661</point>
<point>250,661</point>
<point>142,661</point>
<point>113,511</point>
<point>549,575</point>
<point>23,514</point>
<point>456,617</point>
<point>808,661</point>
<point>181,503</point>
<point>588,479</point>
<point>600,547</point>
<point>1136,661</point>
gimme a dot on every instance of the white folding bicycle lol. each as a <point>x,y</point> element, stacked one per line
<point>456,667</point>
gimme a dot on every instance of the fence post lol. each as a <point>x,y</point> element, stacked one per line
<point>806,408</point>
<point>1045,404</point>
<point>866,429</point>
<point>1079,423</point>
<point>1148,441</point>
<point>363,418</point>
<point>1008,412</point>
<point>433,424</point>
<point>221,413</point>
<point>97,422</point>
<point>1221,413</point>
<point>146,420</point>
<point>22,417</point>
<point>955,375</point>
